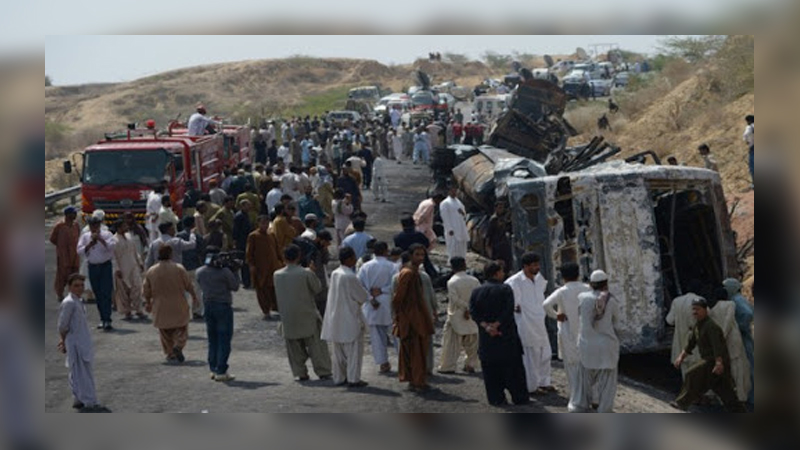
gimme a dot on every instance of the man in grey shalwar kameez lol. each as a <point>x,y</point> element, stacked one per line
<point>76,343</point>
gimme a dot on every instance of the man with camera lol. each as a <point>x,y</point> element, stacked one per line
<point>218,282</point>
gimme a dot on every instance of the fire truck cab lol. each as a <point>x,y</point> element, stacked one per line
<point>118,174</point>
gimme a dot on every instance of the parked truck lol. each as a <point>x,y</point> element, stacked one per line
<point>117,174</point>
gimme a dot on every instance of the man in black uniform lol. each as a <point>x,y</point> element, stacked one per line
<point>500,351</point>
<point>713,371</point>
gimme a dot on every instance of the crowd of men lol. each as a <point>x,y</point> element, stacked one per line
<point>264,227</point>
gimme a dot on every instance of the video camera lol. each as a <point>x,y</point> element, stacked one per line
<point>227,260</point>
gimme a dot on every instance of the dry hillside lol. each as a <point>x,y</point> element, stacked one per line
<point>237,90</point>
<point>76,116</point>
<point>676,123</point>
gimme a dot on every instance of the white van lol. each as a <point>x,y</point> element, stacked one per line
<point>489,107</point>
<point>339,117</point>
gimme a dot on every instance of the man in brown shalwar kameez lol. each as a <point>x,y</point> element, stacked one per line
<point>65,237</point>
<point>165,285</point>
<point>264,257</point>
<point>413,323</point>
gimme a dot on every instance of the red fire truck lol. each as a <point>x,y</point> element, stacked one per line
<point>236,144</point>
<point>118,174</point>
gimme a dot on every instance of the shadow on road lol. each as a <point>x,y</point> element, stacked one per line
<point>249,385</point>
<point>370,390</point>
<point>120,332</point>
<point>184,364</point>
<point>437,379</point>
<point>437,395</point>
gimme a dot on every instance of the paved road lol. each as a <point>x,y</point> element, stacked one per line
<point>132,377</point>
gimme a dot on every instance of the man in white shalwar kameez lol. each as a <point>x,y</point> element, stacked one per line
<point>724,314</point>
<point>562,306</point>
<point>129,268</point>
<point>460,331</point>
<point>380,184</point>
<point>529,287</point>
<point>396,141</point>
<point>599,345</point>
<point>153,208</point>
<point>76,343</point>
<point>344,325</point>
<point>454,218</point>
<point>376,278</point>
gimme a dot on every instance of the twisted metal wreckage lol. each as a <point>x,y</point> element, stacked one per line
<point>653,228</point>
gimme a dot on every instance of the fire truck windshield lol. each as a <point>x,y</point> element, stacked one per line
<point>125,167</point>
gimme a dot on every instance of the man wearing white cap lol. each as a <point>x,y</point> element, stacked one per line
<point>311,221</point>
<point>598,345</point>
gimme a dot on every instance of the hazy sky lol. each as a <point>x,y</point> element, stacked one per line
<point>84,59</point>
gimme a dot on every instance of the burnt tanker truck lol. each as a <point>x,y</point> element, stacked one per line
<point>652,228</point>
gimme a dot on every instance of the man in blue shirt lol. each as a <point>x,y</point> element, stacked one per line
<point>310,205</point>
<point>307,144</point>
<point>358,241</point>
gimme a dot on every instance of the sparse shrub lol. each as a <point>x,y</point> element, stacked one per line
<point>635,101</point>
<point>47,81</point>
<point>735,66</point>
<point>693,49</point>
<point>497,61</point>
<point>583,116</point>
<point>677,71</point>
<point>527,60</point>
<point>456,58</point>
<point>55,136</point>
<point>60,180</point>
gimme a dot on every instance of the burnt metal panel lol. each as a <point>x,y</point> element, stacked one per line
<point>481,176</point>
<point>633,261</point>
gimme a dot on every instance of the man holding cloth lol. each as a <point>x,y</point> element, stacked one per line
<point>97,246</point>
<point>599,345</point>
<point>344,324</point>
<point>529,286</point>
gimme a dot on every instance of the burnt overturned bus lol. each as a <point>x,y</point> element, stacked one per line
<point>654,229</point>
